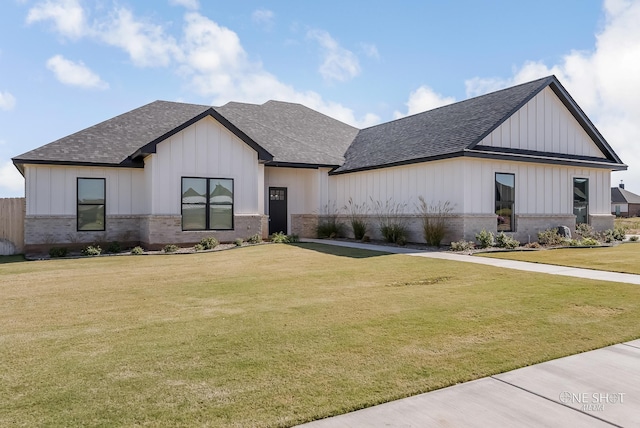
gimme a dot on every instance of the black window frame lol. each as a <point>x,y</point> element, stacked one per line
<point>79,204</point>
<point>500,202</point>
<point>586,199</point>
<point>208,204</point>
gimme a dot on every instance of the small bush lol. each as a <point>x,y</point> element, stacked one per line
<point>434,220</point>
<point>585,230</point>
<point>329,228</point>
<point>238,242</point>
<point>91,250</point>
<point>198,247</point>
<point>356,213</point>
<point>209,243</point>
<point>137,250</point>
<point>573,243</point>
<point>58,252</point>
<point>485,239</point>
<point>550,237</point>
<point>170,248</point>
<point>279,238</point>
<point>395,233</point>
<point>633,238</point>
<point>114,248</point>
<point>359,227</point>
<point>532,245</point>
<point>589,242</point>
<point>293,238</point>
<point>255,239</point>
<point>462,246</point>
<point>505,241</point>
<point>618,233</point>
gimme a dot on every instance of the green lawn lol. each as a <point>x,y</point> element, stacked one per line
<point>275,335</point>
<point>621,258</point>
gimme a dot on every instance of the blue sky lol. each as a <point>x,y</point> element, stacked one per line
<point>68,64</point>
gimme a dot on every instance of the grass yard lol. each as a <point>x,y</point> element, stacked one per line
<point>276,335</point>
<point>621,258</point>
<point>632,224</point>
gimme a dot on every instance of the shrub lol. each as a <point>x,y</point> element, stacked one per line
<point>485,239</point>
<point>505,241</point>
<point>279,238</point>
<point>589,242</point>
<point>585,230</point>
<point>58,252</point>
<point>170,248</point>
<point>532,245</point>
<point>434,220</point>
<point>238,242</point>
<point>328,224</point>
<point>198,247</point>
<point>550,237</point>
<point>293,238</point>
<point>618,233</point>
<point>209,243</point>
<point>633,238</point>
<point>137,250</point>
<point>462,246</point>
<point>114,247</point>
<point>255,239</point>
<point>91,250</point>
<point>391,220</point>
<point>356,213</point>
<point>573,242</point>
<point>394,233</point>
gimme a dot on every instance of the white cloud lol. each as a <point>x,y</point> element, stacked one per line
<point>370,50</point>
<point>264,18</point>
<point>145,42</point>
<point>189,4</point>
<point>338,63</point>
<point>75,73</point>
<point>67,15</point>
<point>11,181</point>
<point>7,101</point>
<point>422,99</point>
<point>603,81</point>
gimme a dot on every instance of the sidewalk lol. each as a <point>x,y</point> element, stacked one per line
<point>598,388</point>
<point>508,264</point>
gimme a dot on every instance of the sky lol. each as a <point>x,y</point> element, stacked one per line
<point>68,64</point>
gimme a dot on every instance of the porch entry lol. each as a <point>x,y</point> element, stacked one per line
<point>277,210</point>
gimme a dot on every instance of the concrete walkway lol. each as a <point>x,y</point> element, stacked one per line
<point>599,388</point>
<point>508,264</point>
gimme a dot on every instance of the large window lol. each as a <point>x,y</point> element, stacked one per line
<point>91,203</point>
<point>581,200</point>
<point>505,199</point>
<point>207,203</point>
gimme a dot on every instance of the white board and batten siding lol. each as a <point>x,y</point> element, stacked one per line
<point>469,185</point>
<point>544,125</point>
<point>205,149</point>
<point>307,189</point>
<point>52,189</point>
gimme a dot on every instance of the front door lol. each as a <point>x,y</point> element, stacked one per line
<point>277,210</point>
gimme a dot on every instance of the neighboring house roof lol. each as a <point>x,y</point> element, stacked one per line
<point>293,133</point>
<point>622,196</point>
<point>456,129</point>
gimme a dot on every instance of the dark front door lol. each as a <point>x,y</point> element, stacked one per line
<point>277,210</point>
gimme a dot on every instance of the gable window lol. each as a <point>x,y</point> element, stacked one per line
<point>505,200</point>
<point>91,203</point>
<point>581,200</point>
<point>207,203</point>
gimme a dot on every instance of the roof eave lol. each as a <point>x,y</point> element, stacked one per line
<point>546,159</point>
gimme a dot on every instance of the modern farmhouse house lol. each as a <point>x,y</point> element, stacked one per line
<point>520,160</point>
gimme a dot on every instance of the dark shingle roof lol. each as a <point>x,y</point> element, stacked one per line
<point>455,130</point>
<point>623,196</point>
<point>113,141</point>
<point>293,133</point>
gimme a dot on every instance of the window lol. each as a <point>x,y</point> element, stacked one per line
<point>581,200</point>
<point>91,203</point>
<point>505,199</point>
<point>207,203</point>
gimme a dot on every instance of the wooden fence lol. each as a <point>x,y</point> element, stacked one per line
<point>12,212</point>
